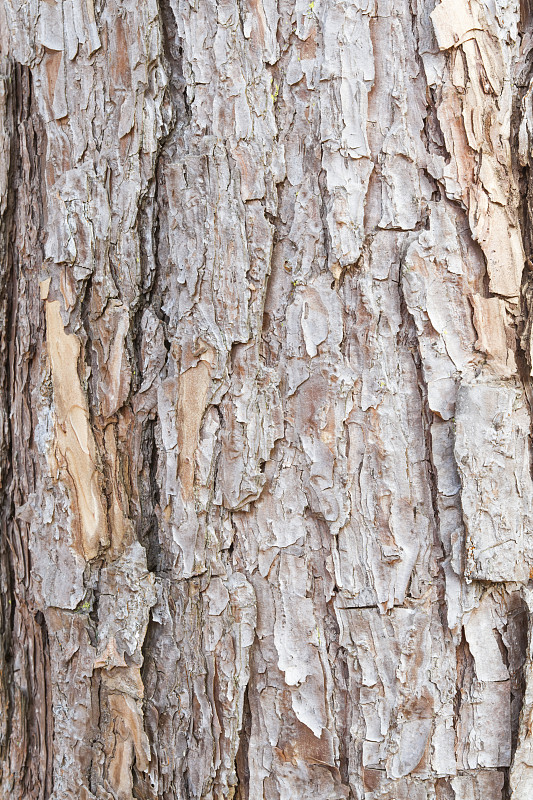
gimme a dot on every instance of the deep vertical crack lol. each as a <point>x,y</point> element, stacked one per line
<point>25,693</point>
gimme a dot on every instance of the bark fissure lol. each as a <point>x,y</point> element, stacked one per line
<point>26,659</point>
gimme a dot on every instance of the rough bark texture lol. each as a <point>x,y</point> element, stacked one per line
<point>266,313</point>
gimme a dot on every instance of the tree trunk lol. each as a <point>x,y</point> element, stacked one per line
<point>265,400</point>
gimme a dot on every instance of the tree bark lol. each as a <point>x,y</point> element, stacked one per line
<point>265,400</point>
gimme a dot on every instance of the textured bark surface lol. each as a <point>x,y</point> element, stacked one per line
<point>266,313</point>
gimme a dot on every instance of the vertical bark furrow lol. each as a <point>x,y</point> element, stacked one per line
<point>520,778</point>
<point>7,152</point>
<point>27,746</point>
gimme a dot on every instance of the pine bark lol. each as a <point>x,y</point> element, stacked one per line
<point>266,496</point>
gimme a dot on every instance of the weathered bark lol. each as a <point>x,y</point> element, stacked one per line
<point>265,400</point>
